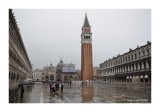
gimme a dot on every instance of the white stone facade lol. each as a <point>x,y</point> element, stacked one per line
<point>84,38</point>
<point>133,66</point>
<point>20,67</point>
<point>37,74</point>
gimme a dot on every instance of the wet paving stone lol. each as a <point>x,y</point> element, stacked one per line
<point>91,93</point>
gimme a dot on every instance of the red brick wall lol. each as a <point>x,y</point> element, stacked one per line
<point>86,62</point>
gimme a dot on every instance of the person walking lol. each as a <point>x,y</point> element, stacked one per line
<point>50,87</point>
<point>22,90</point>
<point>57,86</point>
<point>70,82</point>
<point>53,88</point>
<point>82,83</point>
<point>62,87</point>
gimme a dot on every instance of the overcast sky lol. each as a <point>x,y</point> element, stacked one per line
<point>49,35</point>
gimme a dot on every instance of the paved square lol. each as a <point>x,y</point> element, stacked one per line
<point>96,92</point>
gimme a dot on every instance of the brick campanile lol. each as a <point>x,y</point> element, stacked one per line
<point>86,51</point>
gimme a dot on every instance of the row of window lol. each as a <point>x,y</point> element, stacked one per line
<point>16,42</point>
<point>48,73</point>
<point>86,37</point>
<point>17,64</point>
<point>37,74</point>
<point>38,71</point>
<point>128,58</point>
<point>136,66</point>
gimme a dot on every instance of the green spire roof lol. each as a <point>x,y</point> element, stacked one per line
<point>86,22</point>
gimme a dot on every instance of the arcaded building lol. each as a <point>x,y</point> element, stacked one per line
<point>69,72</point>
<point>60,72</point>
<point>20,67</point>
<point>132,66</point>
<point>66,72</point>
<point>49,73</point>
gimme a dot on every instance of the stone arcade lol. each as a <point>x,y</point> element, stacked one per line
<point>133,66</point>
<point>20,67</point>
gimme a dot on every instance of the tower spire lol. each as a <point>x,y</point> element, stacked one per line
<point>86,22</point>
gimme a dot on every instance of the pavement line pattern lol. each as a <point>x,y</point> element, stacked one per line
<point>41,96</point>
<point>64,97</point>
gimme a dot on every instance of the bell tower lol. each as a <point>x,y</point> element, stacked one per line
<point>86,51</point>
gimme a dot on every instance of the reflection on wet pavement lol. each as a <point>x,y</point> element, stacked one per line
<point>92,93</point>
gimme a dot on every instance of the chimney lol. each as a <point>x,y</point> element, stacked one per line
<point>130,49</point>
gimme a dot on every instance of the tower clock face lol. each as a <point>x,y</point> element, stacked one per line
<point>87,30</point>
